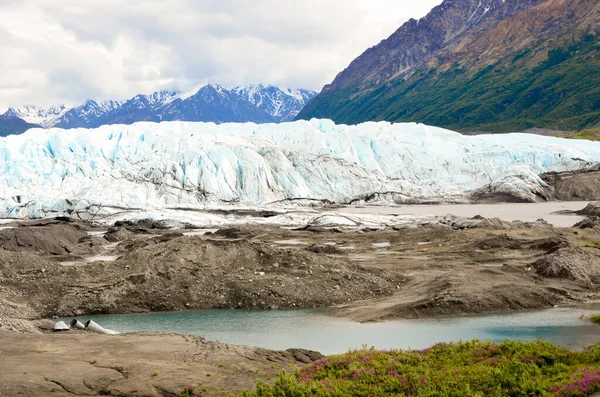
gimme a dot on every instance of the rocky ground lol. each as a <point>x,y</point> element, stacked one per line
<point>446,266</point>
<point>143,364</point>
<point>577,185</point>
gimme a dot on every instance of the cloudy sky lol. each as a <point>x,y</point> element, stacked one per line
<point>70,50</point>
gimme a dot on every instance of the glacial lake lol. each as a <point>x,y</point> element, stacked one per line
<point>315,330</point>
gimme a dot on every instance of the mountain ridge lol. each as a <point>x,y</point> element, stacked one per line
<point>10,125</point>
<point>514,68</point>
<point>204,102</point>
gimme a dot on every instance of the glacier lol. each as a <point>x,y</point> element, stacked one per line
<point>184,165</point>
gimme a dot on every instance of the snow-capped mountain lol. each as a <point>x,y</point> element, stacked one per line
<point>283,104</point>
<point>204,102</point>
<point>87,115</point>
<point>46,117</point>
<point>155,166</point>
<point>214,103</point>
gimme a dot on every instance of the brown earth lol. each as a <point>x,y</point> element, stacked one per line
<point>143,364</point>
<point>170,272</point>
<point>450,266</point>
<point>573,186</point>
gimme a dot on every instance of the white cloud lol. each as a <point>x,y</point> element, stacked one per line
<point>70,50</point>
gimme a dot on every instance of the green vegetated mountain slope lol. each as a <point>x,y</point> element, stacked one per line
<point>521,64</point>
<point>14,125</point>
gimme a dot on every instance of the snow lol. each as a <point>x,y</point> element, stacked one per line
<point>282,103</point>
<point>40,116</point>
<point>157,167</point>
<point>189,92</point>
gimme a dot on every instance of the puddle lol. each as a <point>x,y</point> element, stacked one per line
<point>101,258</point>
<point>72,263</point>
<point>382,245</point>
<point>350,247</point>
<point>199,232</point>
<point>97,234</point>
<point>425,243</point>
<point>492,265</point>
<point>91,259</point>
<point>289,242</point>
<point>111,246</point>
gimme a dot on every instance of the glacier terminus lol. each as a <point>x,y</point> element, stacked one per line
<point>153,166</point>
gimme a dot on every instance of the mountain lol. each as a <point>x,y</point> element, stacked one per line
<point>214,103</point>
<point>11,125</point>
<point>45,117</point>
<point>484,65</point>
<point>87,115</point>
<point>204,102</point>
<point>283,104</point>
<point>155,166</point>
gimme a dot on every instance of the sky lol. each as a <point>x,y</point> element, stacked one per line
<point>67,51</point>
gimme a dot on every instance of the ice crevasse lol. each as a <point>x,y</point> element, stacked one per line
<point>161,165</point>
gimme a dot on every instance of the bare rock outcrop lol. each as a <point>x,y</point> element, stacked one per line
<point>575,264</point>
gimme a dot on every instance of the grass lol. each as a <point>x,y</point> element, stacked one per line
<point>595,319</point>
<point>193,391</point>
<point>591,134</point>
<point>458,369</point>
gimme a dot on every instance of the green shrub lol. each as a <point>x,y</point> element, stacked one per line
<point>456,369</point>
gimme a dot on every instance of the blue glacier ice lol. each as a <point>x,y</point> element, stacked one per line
<point>161,165</point>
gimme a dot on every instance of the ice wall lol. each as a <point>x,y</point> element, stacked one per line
<point>149,165</point>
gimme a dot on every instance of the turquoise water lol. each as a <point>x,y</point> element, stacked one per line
<point>314,329</point>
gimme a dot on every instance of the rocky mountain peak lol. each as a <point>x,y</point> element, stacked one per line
<point>202,102</point>
<point>415,42</point>
<point>478,65</point>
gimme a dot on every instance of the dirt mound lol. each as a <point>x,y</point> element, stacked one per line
<point>500,297</point>
<point>588,223</point>
<point>459,294</point>
<point>570,263</point>
<point>118,234</point>
<point>479,222</point>
<point>305,356</point>
<point>549,245</point>
<point>231,233</point>
<point>325,249</point>
<point>500,242</point>
<point>195,273</point>
<point>154,224</point>
<point>504,241</point>
<point>59,238</point>
<point>31,285</point>
<point>573,186</point>
<point>18,326</point>
<point>592,209</point>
